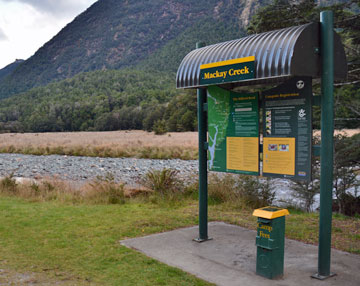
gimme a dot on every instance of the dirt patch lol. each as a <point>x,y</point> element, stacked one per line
<point>13,278</point>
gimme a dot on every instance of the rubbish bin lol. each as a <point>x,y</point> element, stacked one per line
<point>270,240</point>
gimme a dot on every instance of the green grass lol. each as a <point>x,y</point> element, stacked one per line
<point>81,242</point>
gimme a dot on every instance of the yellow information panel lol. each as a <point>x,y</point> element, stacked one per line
<point>242,153</point>
<point>279,155</point>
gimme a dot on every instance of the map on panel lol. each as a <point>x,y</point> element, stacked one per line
<point>219,104</point>
<point>233,131</point>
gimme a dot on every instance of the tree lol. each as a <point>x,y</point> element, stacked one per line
<point>180,114</point>
<point>306,191</point>
<point>347,155</point>
<point>281,14</point>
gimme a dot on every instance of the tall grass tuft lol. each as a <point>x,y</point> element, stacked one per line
<point>106,190</point>
<point>8,184</point>
<point>163,182</point>
<point>240,191</point>
<point>221,189</point>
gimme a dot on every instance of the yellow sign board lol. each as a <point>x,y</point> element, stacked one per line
<point>242,153</point>
<point>279,155</point>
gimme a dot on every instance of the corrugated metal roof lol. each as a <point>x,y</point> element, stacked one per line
<point>278,54</point>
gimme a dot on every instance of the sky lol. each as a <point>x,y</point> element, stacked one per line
<point>26,25</point>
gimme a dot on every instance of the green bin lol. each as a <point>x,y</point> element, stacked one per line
<point>270,241</point>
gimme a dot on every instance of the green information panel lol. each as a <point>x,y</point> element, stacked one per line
<point>233,124</point>
<point>287,130</point>
<point>227,71</point>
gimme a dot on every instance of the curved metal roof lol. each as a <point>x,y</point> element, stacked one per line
<point>278,55</point>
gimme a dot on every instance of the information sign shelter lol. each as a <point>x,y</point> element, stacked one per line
<point>287,59</point>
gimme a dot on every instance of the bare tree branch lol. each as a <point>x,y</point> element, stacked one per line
<point>347,19</point>
<point>354,70</point>
<point>346,83</point>
<point>353,109</point>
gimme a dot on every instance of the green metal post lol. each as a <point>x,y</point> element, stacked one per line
<point>326,153</point>
<point>203,183</point>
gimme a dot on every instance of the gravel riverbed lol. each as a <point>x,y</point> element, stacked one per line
<point>127,170</point>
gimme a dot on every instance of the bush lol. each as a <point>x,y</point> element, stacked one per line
<point>350,205</point>
<point>241,190</point>
<point>8,184</point>
<point>255,192</point>
<point>160,127</point>
<point>222,189</point>
<point>163,182</point>
<point>106,190</point>
<point>306,191</point>
<point>347,155</point>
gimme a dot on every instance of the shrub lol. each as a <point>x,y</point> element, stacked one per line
<point>306,191</point>
<point>350,205</point>
<point>347,155</point>
<point>106,190</point>
<point>160,127</point>
<point>163,182</point>
<point>255,192</point>
<point>346,179</point>
<point>222,189</point>
<point>8,184</point>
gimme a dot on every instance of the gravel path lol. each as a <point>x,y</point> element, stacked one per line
<point>127,170</point>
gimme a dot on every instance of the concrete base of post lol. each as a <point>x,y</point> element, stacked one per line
<point>199,240</point>
<point>322,277</point>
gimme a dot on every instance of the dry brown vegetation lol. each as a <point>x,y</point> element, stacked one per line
<point>139,144</point>
<point>100,191</point>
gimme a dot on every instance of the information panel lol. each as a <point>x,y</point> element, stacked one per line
<point>287,130</point>
<point>233,125</point>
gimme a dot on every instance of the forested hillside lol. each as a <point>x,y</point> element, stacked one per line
<point>102,100</point>
<point>114,34</point>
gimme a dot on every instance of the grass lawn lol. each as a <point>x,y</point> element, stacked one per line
<point>80,243</point>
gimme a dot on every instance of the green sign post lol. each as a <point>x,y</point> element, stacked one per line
<point>203,186</point>
<point>326,153</point>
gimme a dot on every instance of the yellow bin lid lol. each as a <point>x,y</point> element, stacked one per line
<point>270,212</point>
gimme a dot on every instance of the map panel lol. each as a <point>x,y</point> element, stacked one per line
<point>233,130</point>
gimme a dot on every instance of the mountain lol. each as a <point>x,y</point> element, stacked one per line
<point>114,34</point>
<point>9,68</point>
